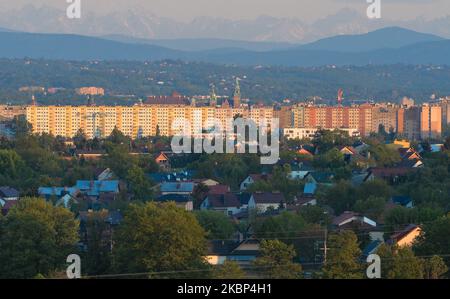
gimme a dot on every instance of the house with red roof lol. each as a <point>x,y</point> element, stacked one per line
<point>228,203</point>
<point>405,237</point>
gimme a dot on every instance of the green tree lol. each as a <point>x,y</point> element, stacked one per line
<point>229,270</point>
<point>375,188</point>
<point>276,261</point>
<point>384,156</point>
<point>36,238</point>
<point>160,238</point>
<point>216,224</point>
<point>332,159</point>
<point>11,164</point>
<point>400,263</point>
<point>435,267</point>
<point>139,184</point>
<point>117,137</point>
<point>98,234</point>
<point>119,160</point>
<point>435,238</point>
<point>372,207</point>
<point>285,225</point>
<point>341,197</point>
<point>21,126</point>
<point>342,257</point>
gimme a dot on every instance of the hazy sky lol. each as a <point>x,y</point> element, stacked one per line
<point>308,10</point>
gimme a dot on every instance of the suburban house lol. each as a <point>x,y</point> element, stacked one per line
<point>206,182</point>
<point>104,174</point>
<point>371,248</point>
<point>228,203</point>
<point>262,201</point>
<point>299,172</point>
<point>358,177</point>
<point>392,175</point>
<point>57,192</point>
<point>306,201</point>
<point>182,188</point>
<point>349,219</point>
<point>159,177</point>
<point>95,188</point>
<point>322,178</point>
<point>93,191</point>
<point>182,201</point>
<point>163,161</point>
<point>219,189</point>
<point>406,237</point>
<point>253,178</point>
<point>244,252</point>
<point>409,154</point>
<point>9,197</point>
<point>411,163</point>
<point>404,201</point>
<point>309,189</point>
<point>306,150</point>
<point>348,152</point>
<point>8,193</point>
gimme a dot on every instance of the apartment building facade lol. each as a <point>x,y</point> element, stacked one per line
<point>138,120</point>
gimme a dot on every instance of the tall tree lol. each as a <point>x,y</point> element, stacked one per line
<point>343,257</point>
<point>435,238</point>
<point>435,267</point>
<point>98,237</point>
<point>400,263</point>
<point>276,261</point>
<point>36,238</point>
<point>229,270</point>
<point>216,224</point>
<point>139,184</point>
<point>160,238</point>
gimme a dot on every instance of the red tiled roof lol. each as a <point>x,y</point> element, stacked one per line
<point>223,200</point>
<point>343,217</point>
<point>259,177</point>
<point>219,189</point>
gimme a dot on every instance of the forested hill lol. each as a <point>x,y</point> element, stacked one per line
<point>128,80</point>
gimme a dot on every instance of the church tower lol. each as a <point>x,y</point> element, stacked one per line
<point>213,97</point>
<point>237,94</point>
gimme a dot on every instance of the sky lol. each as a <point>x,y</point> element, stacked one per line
<point>307,10</point>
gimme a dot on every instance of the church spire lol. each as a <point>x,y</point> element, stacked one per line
<point>33,100</point>
<point>237,94</point>
<point>213,96</point>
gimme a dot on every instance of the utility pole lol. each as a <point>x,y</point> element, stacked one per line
<point>325,247</point>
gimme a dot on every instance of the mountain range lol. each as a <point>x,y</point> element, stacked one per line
<point>141,23</point>
<point>385,46</point>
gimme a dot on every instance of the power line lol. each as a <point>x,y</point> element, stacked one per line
<point>247,267</point>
